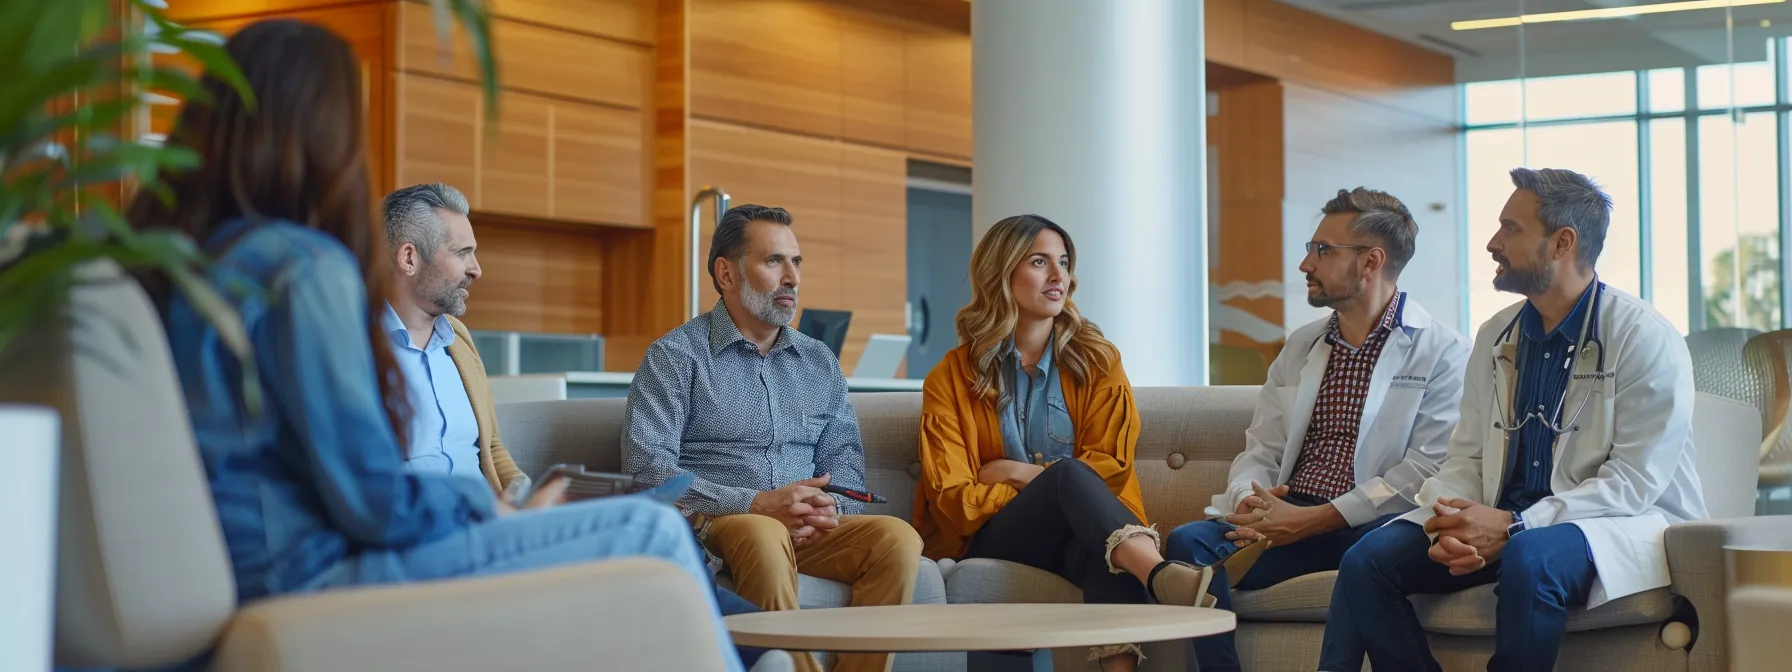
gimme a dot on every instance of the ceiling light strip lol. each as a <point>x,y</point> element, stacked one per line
<point>1605,13</point>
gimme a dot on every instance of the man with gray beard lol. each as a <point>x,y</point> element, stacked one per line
<point>757,412</point>
<point>452,426</point>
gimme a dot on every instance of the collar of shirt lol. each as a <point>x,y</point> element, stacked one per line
<point>1531,320</point>
<point>442,337</point>
<point>723,333</point>
<point>1011,356</point>
<point>1393,316</point>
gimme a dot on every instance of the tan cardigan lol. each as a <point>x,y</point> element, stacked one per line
<point>494,460</point>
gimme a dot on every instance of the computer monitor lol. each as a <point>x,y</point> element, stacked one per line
<point>827,326</point>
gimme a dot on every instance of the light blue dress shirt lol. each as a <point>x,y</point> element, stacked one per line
<point>442,433</point>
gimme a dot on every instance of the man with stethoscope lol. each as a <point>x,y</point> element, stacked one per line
<point>1356,414</point>
<point>1573,455</point>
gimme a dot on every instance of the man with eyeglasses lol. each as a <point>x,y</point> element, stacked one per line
<point>1355,416</point>
<point>1573,456</point>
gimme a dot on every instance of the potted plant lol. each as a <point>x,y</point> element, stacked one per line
<point>78,74</point>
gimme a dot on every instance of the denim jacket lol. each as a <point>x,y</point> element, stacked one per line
<point>317,476</point>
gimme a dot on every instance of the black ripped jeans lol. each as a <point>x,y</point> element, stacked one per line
<point>1061,523</point>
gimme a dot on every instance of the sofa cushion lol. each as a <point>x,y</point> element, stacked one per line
<point>1470,612</point>
<point>817,593</point>
<point>986,581</point>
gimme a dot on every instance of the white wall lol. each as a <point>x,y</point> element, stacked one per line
<point>1337,142</point>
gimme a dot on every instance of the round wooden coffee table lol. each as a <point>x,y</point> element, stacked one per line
<point>973,627</point>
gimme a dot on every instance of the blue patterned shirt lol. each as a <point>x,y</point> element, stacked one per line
<point>705,401</point>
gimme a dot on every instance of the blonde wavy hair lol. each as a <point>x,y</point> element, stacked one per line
<point>1078,347</point>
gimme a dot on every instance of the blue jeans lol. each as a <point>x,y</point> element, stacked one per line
<point>1537,577</point>
<point>613,527</point>
<point>1203,544</point>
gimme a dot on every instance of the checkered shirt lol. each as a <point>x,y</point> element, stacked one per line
<point>1327,464</point>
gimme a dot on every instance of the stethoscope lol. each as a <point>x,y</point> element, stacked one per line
<point>1589,338</point>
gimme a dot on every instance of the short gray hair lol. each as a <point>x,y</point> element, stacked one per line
<point>1383,218</point>
<point>411,216</point>
<point>1569,199</point>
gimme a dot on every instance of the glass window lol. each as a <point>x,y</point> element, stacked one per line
<point>1492,102</point>
<point>1667,90</point>
<point>1739,220</point>
<point>1604,94</point>
<point>1750,83</point>
<point>1491,154</point>
<point>1599,95</point>
<point>1605,151</point>
<point>1667,214</point>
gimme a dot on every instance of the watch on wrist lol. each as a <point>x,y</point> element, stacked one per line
<point>1516,526</point>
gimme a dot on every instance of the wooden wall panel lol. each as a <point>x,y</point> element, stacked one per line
<point>194,12</point>
<point>662,306</point>
<point>874,224</point>
<point>515,168</point>
<point>1288,43</point>
<point>793,172</point>
<point>1247,267</point>
<point>532,59</point>
<point>438,133</point>
<point>626,20</point>
<point>857,71</point>
<point>537,279</point>
<point>1223,24</point>
<point>939,92</point>
<point>872,72</point>
<point>366,26</point>
<point>770,63</point>
<point>599,165</point>
<point>850,203</point>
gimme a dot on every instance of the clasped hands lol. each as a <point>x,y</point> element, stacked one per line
<point>1469,534</point>
<point>809,513</point>
<point>1264,516</point>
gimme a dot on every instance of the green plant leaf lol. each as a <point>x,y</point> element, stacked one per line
<point>102,114</point>
<point>126,159</point>
<point>90,67</point>
<point>478,24</point>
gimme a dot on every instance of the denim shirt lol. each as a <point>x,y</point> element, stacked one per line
<point>1036,426</point>
<point>317,476</point>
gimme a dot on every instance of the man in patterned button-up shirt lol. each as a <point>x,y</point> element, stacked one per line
<point>1356,413</point>
<point>758,413</point>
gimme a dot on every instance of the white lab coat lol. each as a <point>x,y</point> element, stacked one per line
<point>1625,475</point>
<point>1415,393</point>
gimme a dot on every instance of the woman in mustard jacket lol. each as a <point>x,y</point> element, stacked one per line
<point>1027,436</point>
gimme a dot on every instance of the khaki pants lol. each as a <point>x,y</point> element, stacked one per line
<point>876,555</point>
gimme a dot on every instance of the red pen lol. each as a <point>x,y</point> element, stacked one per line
<point>849,493</point>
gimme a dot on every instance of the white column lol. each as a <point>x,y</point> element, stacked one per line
<point>1092,113</point>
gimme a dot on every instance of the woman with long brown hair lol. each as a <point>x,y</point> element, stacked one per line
<point>311,490</point>
<point>1027,436</point>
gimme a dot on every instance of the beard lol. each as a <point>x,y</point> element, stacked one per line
<point>443,292</point>
<point>764,306</point>
<point>1326,298</point>
<point>1526,281</point>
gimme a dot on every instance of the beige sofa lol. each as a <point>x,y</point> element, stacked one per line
<point>143,579</point>
<point>1186,447</point>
